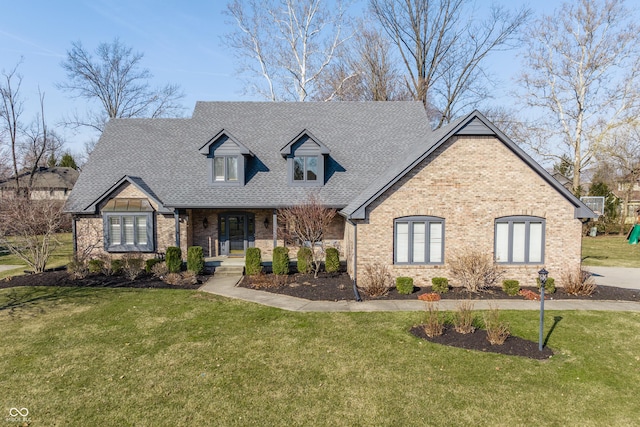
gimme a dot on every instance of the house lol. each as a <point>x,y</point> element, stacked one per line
<point>628,191</point>
<point>49,183</point>
<point>408,198</point>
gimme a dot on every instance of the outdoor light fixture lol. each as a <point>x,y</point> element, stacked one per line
<point>266,222</point>
<point>205,222</point>
<point>542,275</point>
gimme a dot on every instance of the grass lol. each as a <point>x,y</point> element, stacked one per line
<point>61,256</point>
<point>610,251</point>
<point>76,356</point>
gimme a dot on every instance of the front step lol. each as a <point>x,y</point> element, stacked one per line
<point>229,270</point>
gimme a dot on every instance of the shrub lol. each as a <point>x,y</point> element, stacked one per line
<point>305,259</point>
<point>434,323</point>
<point>280,264</point>
<point>530,295</point>
<point>150,263</point>
<point>195,259</point>
<point>332,260</point>
<point>253,261</point>
<point>174,259</point>
<point>475,270</point>
<point>132,265</point>
<point>404,285</point>
<point>188,278</point>
<point>376,280</point>
<point>116,266</point>
<point>511,287</point>
<point>578,282</point>
<point>173,278</point>
<point>432,296</point>
<point>96,266</point>
<point>77,269</point>
<point>440,284</point>
<point>159,269</point>
<point>463,320</point>
<point>497,330</point>
<point>549,286</point>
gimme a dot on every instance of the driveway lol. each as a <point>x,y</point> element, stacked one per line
<point>616,276</point>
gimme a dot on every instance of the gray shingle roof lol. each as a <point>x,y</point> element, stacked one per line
<point>364,138</point>
<point>46,178</point>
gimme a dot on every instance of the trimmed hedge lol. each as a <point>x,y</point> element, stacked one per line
<point>116,266</point>
<point>440,285</point>
<point>549,287</point>
<point>305,258</point>
<point>96,265</point>
<point>404,285</point>
<point>148,265</point>
<point>253,261</point>
<point>280,263</point>
<point>195,259</point>
<point>174,259</point>
<point>332,260</point>
<point>511,287</point>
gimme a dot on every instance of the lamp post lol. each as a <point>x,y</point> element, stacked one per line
<point>542,275</point>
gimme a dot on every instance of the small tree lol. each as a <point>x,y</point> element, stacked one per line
<point>28,229</point>
<point>306,224</point>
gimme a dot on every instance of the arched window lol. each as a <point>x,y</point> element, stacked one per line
<point>519,240</point>
<point>418,240</point>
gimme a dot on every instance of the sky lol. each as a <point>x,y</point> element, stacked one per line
<point>182,43</point>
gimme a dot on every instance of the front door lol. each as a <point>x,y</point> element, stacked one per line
<point>236,233</point>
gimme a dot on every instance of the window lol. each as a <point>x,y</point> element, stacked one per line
<point>305,168</point>
<point>225,169</point>
<point>519,240</point>
<point>419,240</point>
<point>128,225</point>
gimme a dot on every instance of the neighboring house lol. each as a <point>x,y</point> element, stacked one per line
<point>630,206</point>
<point>53,183</point>
<point>408,198</point>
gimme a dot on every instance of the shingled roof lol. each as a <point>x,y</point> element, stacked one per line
<point>59,178</point>
<point>364,139</point>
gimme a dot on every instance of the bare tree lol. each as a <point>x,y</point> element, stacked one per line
<point>582,71</point>
<point>115,79</point>
<point>285,46</point>
<point>306,224</point>
<point>10,111</point>
<point>28,229</point>
<point>443,50</point>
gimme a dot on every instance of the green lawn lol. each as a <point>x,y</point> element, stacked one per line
<point>610,251</point>
<point>61,256</point>
<point>117,357</point>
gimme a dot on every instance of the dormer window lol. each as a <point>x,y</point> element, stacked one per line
<point>227,159</point>
<point>305,156</point>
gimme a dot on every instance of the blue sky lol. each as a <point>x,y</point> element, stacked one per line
<point>180,40</point>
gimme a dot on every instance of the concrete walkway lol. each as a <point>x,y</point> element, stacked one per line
<point>226,286</point>
<point>10,267</point>
<point>616,276</point>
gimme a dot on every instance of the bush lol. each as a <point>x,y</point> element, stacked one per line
<point>332,260</point>
<point>578,282</point>
<point>188,278</point>
<point>475,270</point>
<point>280,263</point>
<point>116,266</point>
<point>132,265</point>
<point>440,285</point>
<point>96,266</point>
<point>404,285</point>
<point>429,297</point>
<point>434,323</point>
<point>159,269</point>
<point>549,287</point>
<point>305,260</point>
<point>195,259</point>
<point>376,280</point>
<point>511,287</point>
<point>150,263</point>
<point>497,330</point>
<point>253,261</point>
<point>463,321</point>
<point>174,259</point>
<point>77,269</point>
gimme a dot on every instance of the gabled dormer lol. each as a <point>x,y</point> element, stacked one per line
<point>227,159</point>
<point>305,156</point>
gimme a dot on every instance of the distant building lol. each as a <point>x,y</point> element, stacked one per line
<point>48,183</point>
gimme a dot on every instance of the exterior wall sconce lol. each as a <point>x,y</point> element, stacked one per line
<point>205,222</point>
<point>266,222</point>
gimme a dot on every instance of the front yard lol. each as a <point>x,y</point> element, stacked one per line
<point>610,251</point>
<point>79,356</point>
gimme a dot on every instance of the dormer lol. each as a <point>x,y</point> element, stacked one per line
<point>227,159</point>
<point>305,156</point>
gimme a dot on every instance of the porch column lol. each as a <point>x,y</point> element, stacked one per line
<point>275,228</point>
